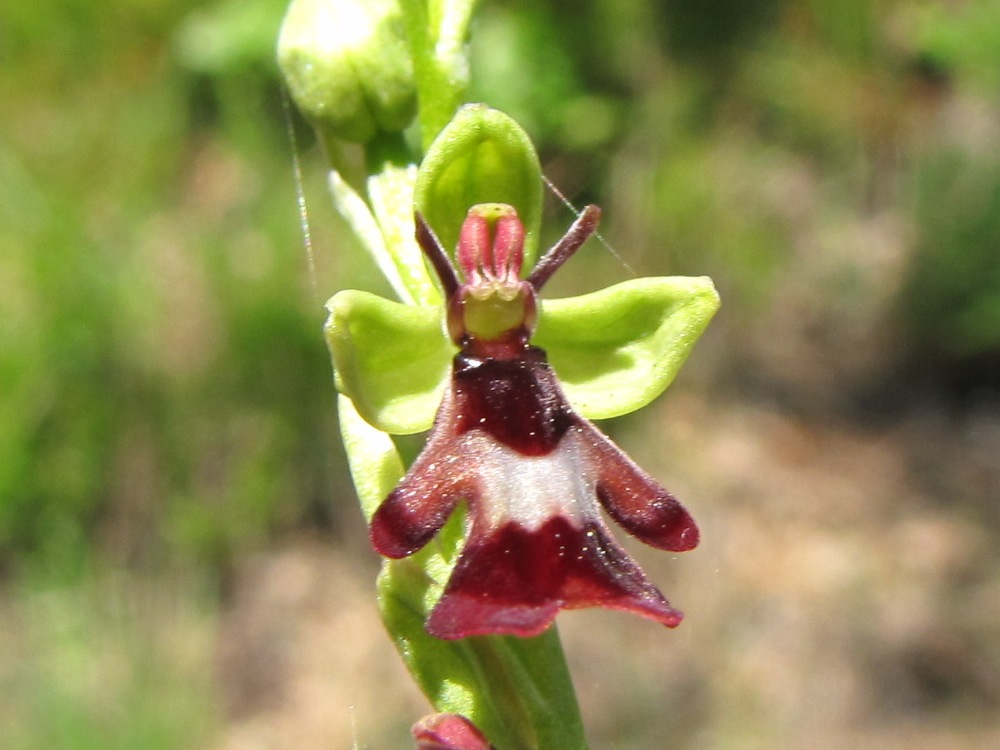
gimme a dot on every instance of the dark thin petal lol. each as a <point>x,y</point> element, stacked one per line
<point>584,226</point>
<point>411,516</point>
<point>438,258</point>
<point>515,581</point>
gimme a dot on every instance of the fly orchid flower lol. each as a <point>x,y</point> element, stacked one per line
<point>532,471</point>
<point>510,445</point>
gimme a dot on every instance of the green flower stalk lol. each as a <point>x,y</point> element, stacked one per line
<point>495,527</point>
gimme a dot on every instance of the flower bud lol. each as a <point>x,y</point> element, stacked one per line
<point>448,732</point>
<point>348,66</point>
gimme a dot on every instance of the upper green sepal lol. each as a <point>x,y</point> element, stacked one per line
<point>481,156</point>
<point>617,349</point>
<point>614,350</point>
<point>391,359</point>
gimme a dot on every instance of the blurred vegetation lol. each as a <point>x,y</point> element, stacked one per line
<point>166,404</point>
<point>165,381</point>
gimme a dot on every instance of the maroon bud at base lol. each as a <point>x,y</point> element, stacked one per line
<point>448,732</point>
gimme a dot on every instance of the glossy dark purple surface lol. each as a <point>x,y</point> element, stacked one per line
<point>517,402</point>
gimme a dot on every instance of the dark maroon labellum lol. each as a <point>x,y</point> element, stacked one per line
<point>512,401</point>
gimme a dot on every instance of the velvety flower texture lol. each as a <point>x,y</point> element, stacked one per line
<point>533,473</point>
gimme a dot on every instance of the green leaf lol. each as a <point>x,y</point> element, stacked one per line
<point>482,156</point>
<point>390,194</point>
<point>391,359</point>
<point>617,349</point>
<point>372,236</point>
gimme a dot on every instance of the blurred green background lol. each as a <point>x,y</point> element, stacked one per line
<point>182,564</point>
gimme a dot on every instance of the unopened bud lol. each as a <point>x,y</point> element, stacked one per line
<point>348,66</point>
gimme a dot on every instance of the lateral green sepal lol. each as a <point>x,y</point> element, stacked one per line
<point>391,359</point>
<point>617,349</point>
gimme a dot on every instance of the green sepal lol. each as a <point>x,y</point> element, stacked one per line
<point>391,359</point>
<point>617,349</point>
<point>614,350</point>
<point>481,156</point>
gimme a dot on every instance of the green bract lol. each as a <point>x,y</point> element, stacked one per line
<point>482,156</point>
<point>614,350</point>
<point>348,66</point>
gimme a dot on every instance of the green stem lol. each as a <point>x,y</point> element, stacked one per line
<point>437,31</point>
<point>532,691</point>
